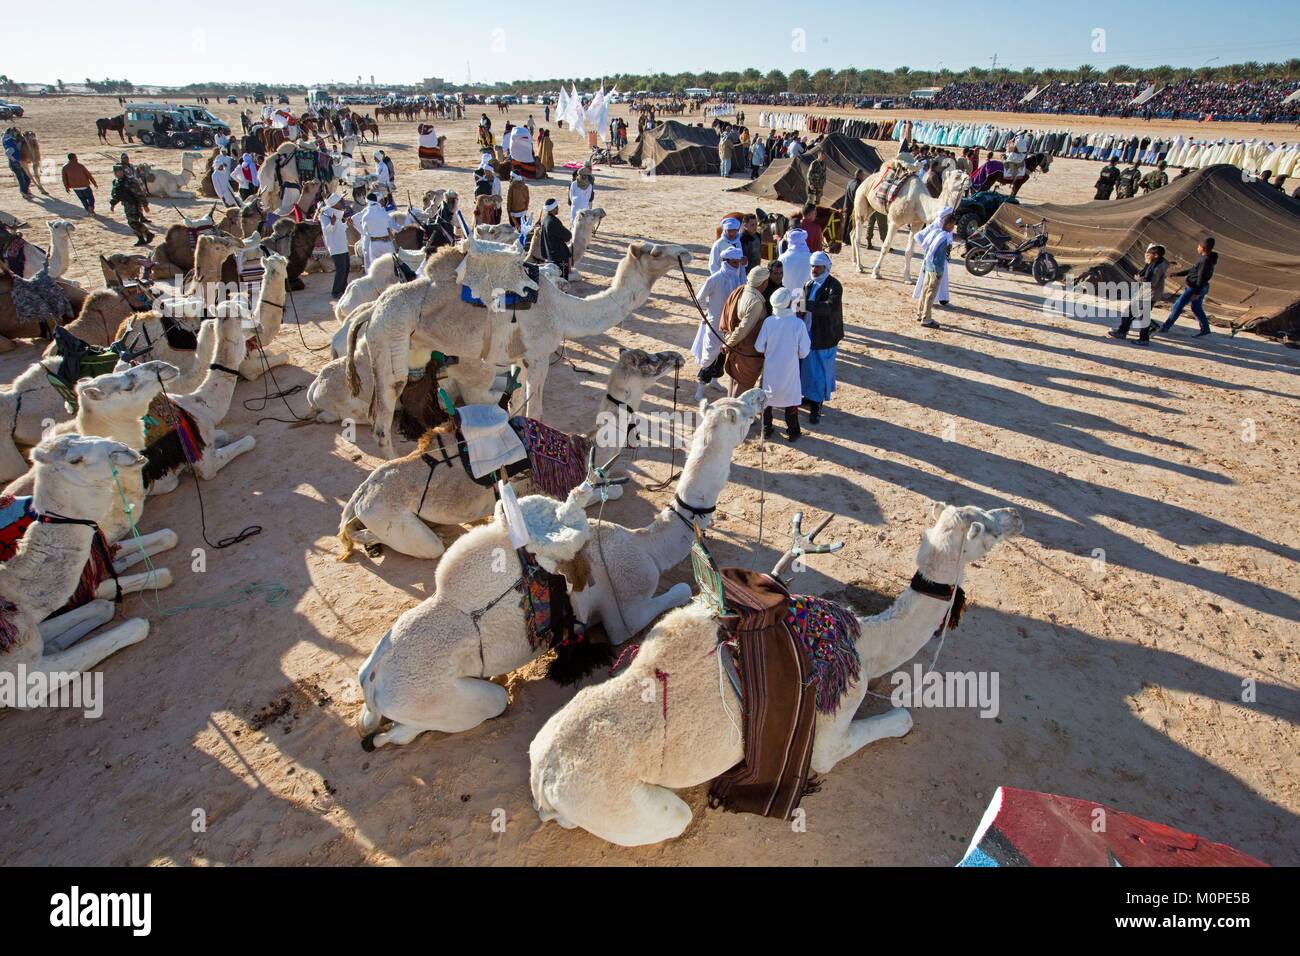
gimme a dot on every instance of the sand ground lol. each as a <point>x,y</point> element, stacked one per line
<point>1120,680</point>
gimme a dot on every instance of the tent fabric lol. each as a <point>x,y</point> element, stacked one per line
<point>787,179</point>
<point>1256,228</point>
<point>675,149</point>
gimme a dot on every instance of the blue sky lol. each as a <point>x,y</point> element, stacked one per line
<point>507,39</point>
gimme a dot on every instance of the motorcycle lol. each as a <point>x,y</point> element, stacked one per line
<point>983,254</point>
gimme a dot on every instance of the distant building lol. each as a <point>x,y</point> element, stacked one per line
<point>433,82</point>
<point>926,93</point>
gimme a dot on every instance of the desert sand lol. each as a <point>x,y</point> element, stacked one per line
<point>1121,679</point>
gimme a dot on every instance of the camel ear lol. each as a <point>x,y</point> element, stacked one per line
<point>976,530</point>
<point>704,406</point>
<point>936,509</point>
<point>637,249</point>
<point>42,455</point>
<point>92,392</point>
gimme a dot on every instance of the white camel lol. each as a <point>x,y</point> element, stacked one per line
<point>267,316</point>
<point>60,254</point>
<point>618,784</point>
<point>208,405</point>
<point>113,406</point>
<point>398,501</point>
<point>413,321</point>
<point>165,184</point>
<point>366,288</point>
<point>431,670</point>
<point>912,207</point>
<point>74,479</point>
<point>588,222</point>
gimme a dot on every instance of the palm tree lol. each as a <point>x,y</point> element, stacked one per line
<point>1086,73</point>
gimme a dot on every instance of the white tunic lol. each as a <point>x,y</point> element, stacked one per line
<point>374,224</point>
<point>783,341</point>
<point>335,230</point>
<point>579,198</point>
<point>713,296</point>
<point>719,247</point>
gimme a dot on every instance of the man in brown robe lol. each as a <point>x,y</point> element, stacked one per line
<point>742,318</point>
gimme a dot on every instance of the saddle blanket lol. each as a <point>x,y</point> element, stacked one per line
<point>888,185</point>
<point>195,231</point>
<point>490,442</point>
<point>795,657</point>
<point>1025,828</point>
<point>17,515</point>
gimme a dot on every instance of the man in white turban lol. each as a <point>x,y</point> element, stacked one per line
<point>377,228</point>
<point>707,347</point>
<point>795,261</point>
<point>923,239</point>
<point>221,166</point>
<point>730,239</point>
<point>783,341</point>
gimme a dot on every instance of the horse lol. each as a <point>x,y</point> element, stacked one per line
<point>366,124</point>
<point>991,173</point>
<point>115,124</point>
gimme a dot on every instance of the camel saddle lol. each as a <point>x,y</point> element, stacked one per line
<point>80,360</point>
<point>17,515</point>
<point>788,657</point>
<point>555,460</point>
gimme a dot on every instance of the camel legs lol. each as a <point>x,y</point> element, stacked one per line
<point>886,245</point>
<point>61,632</point>
<point>401,530</point>
<point>907,256</point>
<point>134,551</point>
<point>622,622</point>
<point>844,741</point>
<point>253,367</point>
<point>156,579</point>
<point>638,815</point>
<point>216,457</point>
<point>461,705</point>
<point>84,656</point>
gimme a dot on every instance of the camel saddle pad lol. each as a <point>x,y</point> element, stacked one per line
<point>490,442</point>
<point>17,515</point>
<point>888,182</point>
<point>792,656</point>
<point>777,712</point>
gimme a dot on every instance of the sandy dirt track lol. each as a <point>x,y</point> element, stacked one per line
<point>1121,685</point>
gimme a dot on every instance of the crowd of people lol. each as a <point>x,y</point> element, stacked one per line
<point>1255,101</point>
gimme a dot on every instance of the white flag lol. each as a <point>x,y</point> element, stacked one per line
<point>562,104</point>
<point>598,111</point>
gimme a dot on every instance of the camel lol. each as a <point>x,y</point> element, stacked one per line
<point>404,323</point>
<point>618,784</point>
<point>268,314</point>
<point>165,184</point>
<point>30,159</point>
<point>588,222</point>
<point>119,267</point>
<point>244,220</point>
<point>398,501</point>
<point>113,406</point>
<point>382,274</point>
<point>174,256</point>
<point>208,405</point>
<point>913,206</point>
<point>431,670</point>
<point>74,478</point>
<point>58,258</point>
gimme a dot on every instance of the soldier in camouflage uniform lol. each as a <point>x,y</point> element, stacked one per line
<point>1128,181</point>
<point>1107,180</point>
<point>816,181</point>
<point>127,191</point>
<point>1156,178</point>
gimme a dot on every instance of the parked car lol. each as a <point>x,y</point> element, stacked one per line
<point>10,110</point>
<point>232,99</point>
<point>284,100</point>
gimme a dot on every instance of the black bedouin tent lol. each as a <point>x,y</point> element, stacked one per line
<point>675,149</point>
<point>787,179</point>
<point>1256,229</point>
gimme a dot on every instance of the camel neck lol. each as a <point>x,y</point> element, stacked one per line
<point>598,313</point>
<point>128,429</point>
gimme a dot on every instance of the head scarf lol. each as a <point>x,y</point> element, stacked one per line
<point>758,276</point>
<point>333,199</point>
<point>730,223</point>
<point>783,302</point>
<point>798,239</point>
<point>550,205</point>
<point>821,259</point>
<point>733,254</point>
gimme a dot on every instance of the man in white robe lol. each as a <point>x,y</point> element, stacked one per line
<point>707,346</point>
<point>377,228</point>
<point>221,166</point>
<point>730,239</point>
<point>580,193</point>
<point>783,341</point>
<point>796,261</point>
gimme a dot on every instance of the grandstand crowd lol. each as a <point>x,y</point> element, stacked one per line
<point>1254,101</point>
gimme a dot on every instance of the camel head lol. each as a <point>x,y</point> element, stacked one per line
<point>656,259</point>
<point>126,394</point>
<point>275,280</point>
<point>501,232</point>
<point>202,221</point>
<point>955,185</point>
<point>61,228</point>
<point>962,535</point>
<point>591,216</point>
<point>432,199</point>
<point>648,366</point>
<point>73,474</point>
<point>724,424</point>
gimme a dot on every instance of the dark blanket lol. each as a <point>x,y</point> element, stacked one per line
<point>40,301</point>
<point>17,515</point>
<point>778,713</point>
<point>551,624</point>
